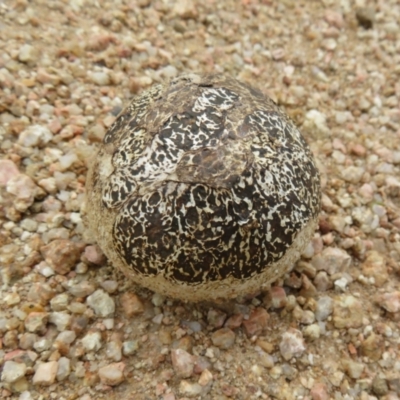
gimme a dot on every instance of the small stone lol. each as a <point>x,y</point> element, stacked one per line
<point>25,396</point>
<point>61,255</point>
<point>8,170</point>
<point>332,260</point>
<point>347,312</point>
<point>92,341</point>
<point>60,302</point>
<point>234,321</point>
<point>353,369</point>
<point>12,371</point>
<point>201,364</point>
<point>157,299</point>
<point>223,338</point>
<point>35,136</point>
<point>36,322</point>
<point>42,345</point>
<point>131,304</point>
<point>375,266</point>
<point>137,83</point>
<point>266,360</point>
<point>102,304</point>
<point>190,389</point>
<point>60,319</point>
<point>324,308</point>
<point>113,350</point>
<point>319,391</point>
<point>292,344</point>
<point>277,297</point>
<point>45,374</point>
<point>27,340</point>
<point>379,386</point>
<point>256,323</point>
<point>365,219</point>
<point>81,289</point>
<point>64,369</point>
<point>341,284</point>
<point>185,9</point>
<point>216,318</point>
<point>28,54</point>
<point>109,286</point>
<point>182,362</point>
<point>322,282</point>
<point>100,78</point>
<point>312,331</point>
<point>315,121</point>
<point>389,301</point>
<point>94,255</point>
<point>24,189</point>
<point>67,337</point>
<point>205,377</point>
<point>112,374</point>
<point>130,347</point>
<point>373,347</point>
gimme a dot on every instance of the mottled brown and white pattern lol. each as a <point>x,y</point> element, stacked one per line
<point>203,189</point>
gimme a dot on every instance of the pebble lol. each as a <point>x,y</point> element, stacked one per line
<point>34,136</point>
<point>112,374</point>
<point>36,322</point>
<point>353,369</point>
<point>109,286</point>
<point>347,312</point>
<point>332,260</point>
<point>234,321</point>
<point>94,255</point>
<point>373,347</point>
<point>24,189</point>
<point>322,282</point>
<point>190,389</point>
<point>28,54</point>
<point>315,121</point>
<point>131,304</point>
<point>312,332</point>
<point>223,338</point>
<point>130,347</point>
<point>113,350</point>
<point>12,371</point>
<point>61,255</point>
<point>379,386</point>
<point>45,374</point>
<point>256,323</point>
<point>182,362</point>
<point>92,341</point>
<point>292,344</point>
<point>102,304</point>
<point>8,170</point>
<point>64,369</point>
<point>60,319</point>
<point>319,391</point>
<point>389,301</point>
<point>277,297</point>
<point>374,266</point>
<point>216,318</point>
<point>81,289</point>
<point>100,78</point>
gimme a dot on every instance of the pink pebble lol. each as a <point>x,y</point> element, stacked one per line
<point>8,170</point>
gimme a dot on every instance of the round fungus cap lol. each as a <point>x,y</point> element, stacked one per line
<point>203,189</point>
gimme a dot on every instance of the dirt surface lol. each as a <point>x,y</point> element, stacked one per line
<point>71,327</point>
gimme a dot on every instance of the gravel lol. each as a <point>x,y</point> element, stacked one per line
<point>72,327</point>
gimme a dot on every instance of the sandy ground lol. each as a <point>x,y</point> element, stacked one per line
<point>73,328</point>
